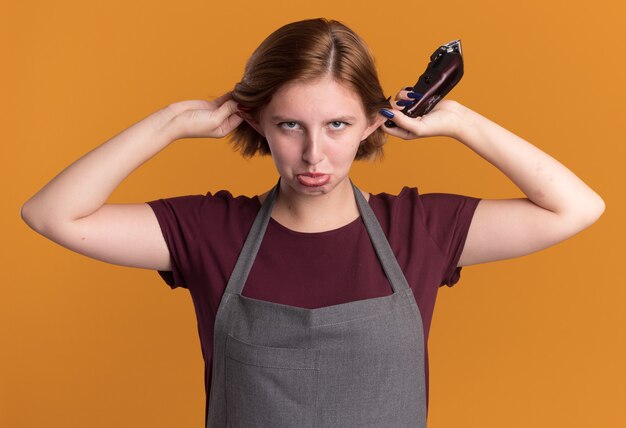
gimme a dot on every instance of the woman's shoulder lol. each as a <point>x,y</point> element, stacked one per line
<point>412,194</point>
<point>227,195</point>
<point>436,210</point>
<point>217,204</point>
<point>406,196</point>
<point>404,192</point>
<point>224,195</point>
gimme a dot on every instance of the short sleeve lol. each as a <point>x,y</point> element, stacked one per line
<point>179,220</point>
<point>448,217</point>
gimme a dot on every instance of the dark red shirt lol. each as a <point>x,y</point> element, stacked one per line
<point>205,233</point>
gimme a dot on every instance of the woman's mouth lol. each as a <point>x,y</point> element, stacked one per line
<point>313,179</point>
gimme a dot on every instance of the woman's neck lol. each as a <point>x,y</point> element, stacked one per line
<point>317,213</point>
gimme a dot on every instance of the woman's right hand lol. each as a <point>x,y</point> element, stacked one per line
<point>205,119</point>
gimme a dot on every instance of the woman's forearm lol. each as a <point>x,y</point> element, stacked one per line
<point>543,179</point>
<point>84,186</point>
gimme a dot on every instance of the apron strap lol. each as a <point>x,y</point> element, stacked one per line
<point>381,244</point>
<point>251,247</point>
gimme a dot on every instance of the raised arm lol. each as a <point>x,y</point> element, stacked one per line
<point>71,210</point>
<point>558,204</point>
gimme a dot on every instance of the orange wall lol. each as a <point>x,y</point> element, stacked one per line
<point>533,341</point>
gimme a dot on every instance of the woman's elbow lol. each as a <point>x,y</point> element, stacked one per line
<point>594,211</point>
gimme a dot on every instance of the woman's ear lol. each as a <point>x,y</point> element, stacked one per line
<point>374,125</point>
<point>253,123</point>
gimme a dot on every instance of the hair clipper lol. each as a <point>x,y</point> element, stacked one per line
<point>443,72</point>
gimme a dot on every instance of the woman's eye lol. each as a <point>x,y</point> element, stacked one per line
<point>288,125</point>
<point>337,124</point>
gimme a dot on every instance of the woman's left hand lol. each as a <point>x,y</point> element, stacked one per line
<point>442,120</point>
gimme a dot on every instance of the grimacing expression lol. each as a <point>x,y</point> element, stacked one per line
<point>315,127</point>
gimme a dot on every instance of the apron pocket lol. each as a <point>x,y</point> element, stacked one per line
<point>268,386</point>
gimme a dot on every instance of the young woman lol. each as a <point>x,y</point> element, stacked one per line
<point>313,300</point>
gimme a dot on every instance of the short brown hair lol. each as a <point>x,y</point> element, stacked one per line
<point>303,51</point>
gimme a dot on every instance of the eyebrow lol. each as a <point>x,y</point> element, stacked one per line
<point>286,119</point>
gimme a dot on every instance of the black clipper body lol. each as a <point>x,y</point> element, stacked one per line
<point>443,72</point>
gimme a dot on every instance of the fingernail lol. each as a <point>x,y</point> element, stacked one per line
<point>386,113</point>
<point>414,95</point>
<point>408,88</point>
<point>388,99</point>
<point>405,102</point>
<point>390,124</point>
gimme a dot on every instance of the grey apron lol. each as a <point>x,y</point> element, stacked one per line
<point>355,364</point>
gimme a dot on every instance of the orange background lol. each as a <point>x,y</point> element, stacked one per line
<point>534,341</point>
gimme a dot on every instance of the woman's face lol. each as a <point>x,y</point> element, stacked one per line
<point>314,130</point>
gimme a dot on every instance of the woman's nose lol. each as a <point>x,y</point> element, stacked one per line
<point>313,150</point>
